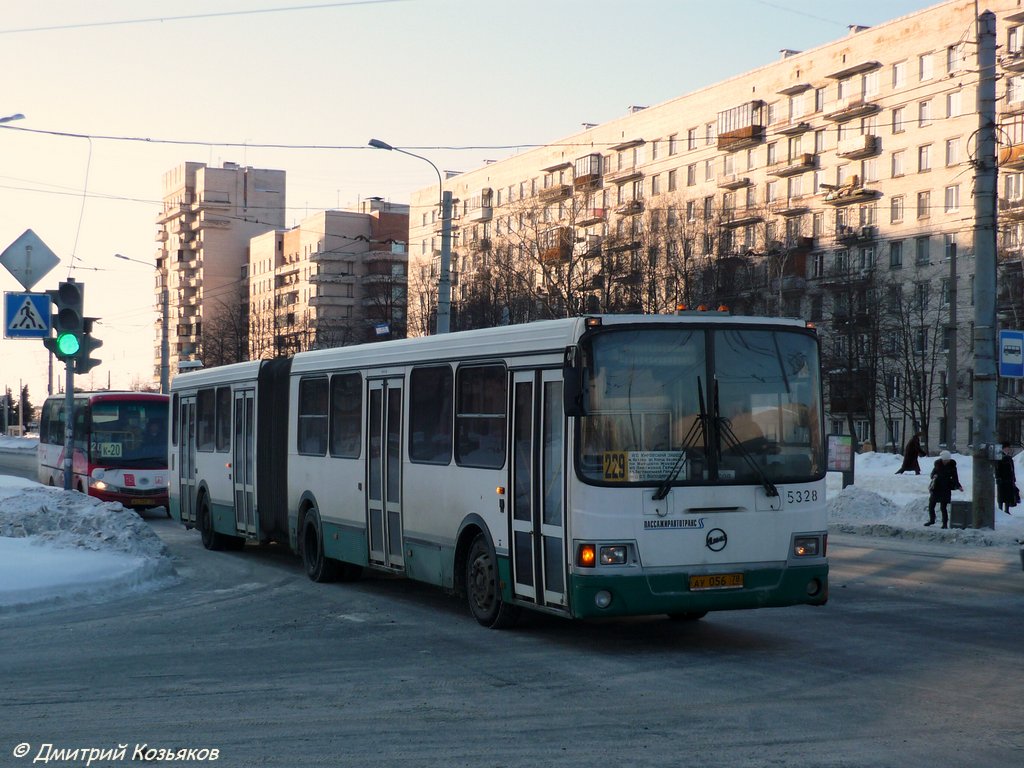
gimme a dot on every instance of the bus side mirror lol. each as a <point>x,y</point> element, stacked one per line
<point>572,383</point>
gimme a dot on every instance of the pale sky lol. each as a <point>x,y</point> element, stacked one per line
<point>474,75</point>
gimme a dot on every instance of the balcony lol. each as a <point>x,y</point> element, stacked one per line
<point>741,138</point>
<point>1011,209</point>
<point>798,164</point>
<point>740,218</point>
<point>630,208</point>
<point>1012,157</point>
<point>170,212</point>
<point>849,108</point>
<point>849,235</point>
<point>857,147</point>
<point>555,192</point>
<point>556,245</point>
<point>622,175</point>
<point>212,199</point>
<point>792,127</point>
<point>590,216</point>
<point>853,192</point>
<point>791,206</point>
<point>1012,61</point>
<point>587,170</point>
<point>480,213</point>
<point>732,181</point>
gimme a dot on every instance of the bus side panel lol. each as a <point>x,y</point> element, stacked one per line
<point>272,400</point>
<point>346,542</point>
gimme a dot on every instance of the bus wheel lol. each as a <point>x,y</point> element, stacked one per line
<point>482,590</point>
<point>688,616</point>
<point>319,567</point>
<point>212,540</point>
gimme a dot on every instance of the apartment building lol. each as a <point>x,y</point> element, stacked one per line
<point>337,278</point>
<point>209,216</point>
<point>833,184</point>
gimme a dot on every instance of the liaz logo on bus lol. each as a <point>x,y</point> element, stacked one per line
<point>615,463</point>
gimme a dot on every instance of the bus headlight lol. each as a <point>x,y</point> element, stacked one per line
<point>603,598</point>
<point>807,546</point>
<point>99,485</point>
<point>613,555</point>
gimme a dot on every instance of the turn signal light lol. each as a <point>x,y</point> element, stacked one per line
<point>587,556</point>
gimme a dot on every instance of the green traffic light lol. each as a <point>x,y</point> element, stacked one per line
<point>68,344</point>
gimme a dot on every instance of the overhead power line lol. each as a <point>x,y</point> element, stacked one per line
<point>216,14</point>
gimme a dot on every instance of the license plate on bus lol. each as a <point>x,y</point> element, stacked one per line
<point>716,581</point>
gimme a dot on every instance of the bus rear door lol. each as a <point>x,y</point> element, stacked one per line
<point>384,470</point>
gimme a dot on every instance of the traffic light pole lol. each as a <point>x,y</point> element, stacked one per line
<point>69,422</point>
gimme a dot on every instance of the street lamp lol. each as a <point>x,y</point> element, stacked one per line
<point>12,118</point>
<point>164,311</point>
<point>444,284</point>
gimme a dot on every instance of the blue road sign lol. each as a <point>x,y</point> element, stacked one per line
<point>26,315</point>
<point>1011,354</point>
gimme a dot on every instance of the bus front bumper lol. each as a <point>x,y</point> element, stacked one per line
<point>648,594</point>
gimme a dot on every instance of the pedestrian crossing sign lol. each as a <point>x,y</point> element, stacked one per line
<point>26,315</point>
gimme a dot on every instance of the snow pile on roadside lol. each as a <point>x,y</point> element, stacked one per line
<point>18,444</point>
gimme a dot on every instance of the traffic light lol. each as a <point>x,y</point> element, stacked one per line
<point>84,363</point>
<point>69,320</point>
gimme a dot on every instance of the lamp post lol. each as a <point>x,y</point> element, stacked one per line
<point>164,312</point>
<point>444,285</point>
<point>12,118</point>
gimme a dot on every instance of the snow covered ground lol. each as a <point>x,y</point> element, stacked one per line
<point>59,547</point>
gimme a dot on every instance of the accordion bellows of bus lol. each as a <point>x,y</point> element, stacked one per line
<point>608,465</point>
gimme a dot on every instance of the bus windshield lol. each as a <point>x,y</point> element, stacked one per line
<point>128,434</point>
<point>696,406</point>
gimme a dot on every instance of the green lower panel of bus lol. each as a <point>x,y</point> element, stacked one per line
<point>642,594</point>
<point>346,542</point>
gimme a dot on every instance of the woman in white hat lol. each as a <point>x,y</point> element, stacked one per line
<point>944,480</point>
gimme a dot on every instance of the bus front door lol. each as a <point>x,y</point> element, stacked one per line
<point>538,488</point>
<point>384,472</point>
<point>243,462</point>
<point>187,460</point>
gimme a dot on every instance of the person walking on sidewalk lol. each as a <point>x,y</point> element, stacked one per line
<point>944,481</point>
<point>1006,481</point>
<point>911,454</point>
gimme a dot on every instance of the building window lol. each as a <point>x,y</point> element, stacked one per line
<point>896,209</point>
<point>922,250</point>
<point>949,244</point>
<point>952,198</point>
<point>869,170</point>
<point>896,254</point>
<point>672,181</point>
<point>899,74</point>
<point>691,138</point>
<point>818,265</point>
<point>709,170</point>
<point>709,134</point>
<point>656,185</point>
<point>953,104</point>
<point>819,141</point>
<point>952,151</point>
<point>924,114</point>
<point>897,163</point>
<point>1014,89</point>
<point>925,67</point>
<point>819,99</point>
<point>924,158</point>
<point>691,174</point>
<point>924,204</point>
<point>898,124</point>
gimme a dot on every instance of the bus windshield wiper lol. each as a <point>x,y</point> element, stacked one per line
<point>728,436</point>
<point>699,427</point>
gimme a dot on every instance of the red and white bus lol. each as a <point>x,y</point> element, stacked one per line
<point>120,446</point>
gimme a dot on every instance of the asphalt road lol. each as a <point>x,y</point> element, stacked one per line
<point>915,661</point>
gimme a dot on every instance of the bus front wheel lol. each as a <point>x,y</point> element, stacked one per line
<point>482,589</point>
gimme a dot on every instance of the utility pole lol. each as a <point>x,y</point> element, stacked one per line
<point>985,180</point>
<point>951,364</point>
<point>444,283</point>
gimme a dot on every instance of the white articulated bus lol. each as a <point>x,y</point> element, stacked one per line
<point>597,466</point>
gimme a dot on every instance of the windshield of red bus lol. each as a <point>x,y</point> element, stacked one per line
<point>128,433</point>
<point>677,406</point>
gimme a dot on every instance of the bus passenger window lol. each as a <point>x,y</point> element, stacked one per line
<point>313,416</point>
<point>480,417</point>
<point>205,420</point>
<point>223,419</point>
<point>430,415</point>
<point>346,415</point>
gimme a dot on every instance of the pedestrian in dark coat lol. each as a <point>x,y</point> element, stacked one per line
<point>944,481</point>
<point>1006,481</point>
<point>910,456</point>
